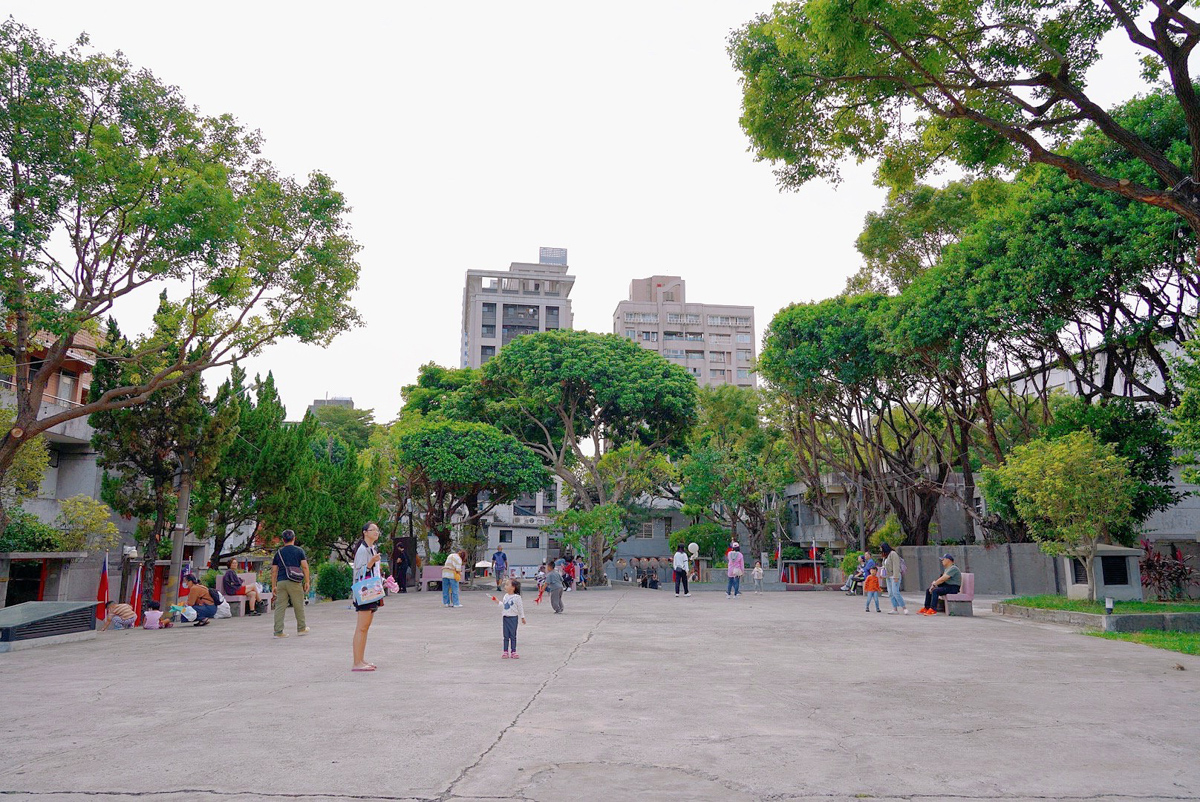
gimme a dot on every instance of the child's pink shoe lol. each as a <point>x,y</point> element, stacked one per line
<point>516,656</point>
<point>505,655</point>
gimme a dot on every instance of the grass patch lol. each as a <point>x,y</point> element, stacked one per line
<point>1185,642</point>
<point>1083,606</point>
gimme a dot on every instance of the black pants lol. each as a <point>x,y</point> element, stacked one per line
<point>931,595</point>
<point>678,576</point>
<point>510,633</point>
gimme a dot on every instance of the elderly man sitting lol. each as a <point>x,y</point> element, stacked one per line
<point>949,582</point>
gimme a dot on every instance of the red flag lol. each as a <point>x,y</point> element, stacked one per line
<point>135,598</point>
<point>102,591</point>
<point>812,553</point>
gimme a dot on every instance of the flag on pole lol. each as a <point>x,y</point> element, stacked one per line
<point>102,591</point>
<point>135,598</point>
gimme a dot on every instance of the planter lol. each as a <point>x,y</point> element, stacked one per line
<point>1125,622</point>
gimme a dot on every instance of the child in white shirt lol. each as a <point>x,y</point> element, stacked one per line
<point>756,575</point>
<point>511,609</point>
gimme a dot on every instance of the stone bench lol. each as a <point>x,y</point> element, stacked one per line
<point>961,603</point>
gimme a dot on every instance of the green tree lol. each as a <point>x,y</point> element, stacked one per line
<point>573,397</point>
<point>981,84</point>
<point>252,469</point>
<point>141,190</point>
<point>595,531</point>
<point>711,538</point>
<point>736,467</point>
<point>24,476</point>
<point>446,463</point>
<point>1185,419</point>
<point>352,425</point>
<point>86,523</point>
<point>143,449</point>
<point>1073,492</point>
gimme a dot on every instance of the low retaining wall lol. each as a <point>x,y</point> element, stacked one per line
<point>1009,569</point>
<point>1127,622</point>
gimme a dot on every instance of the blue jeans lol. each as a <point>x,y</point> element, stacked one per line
<point>510,633</point>
<point>449,591</point>
<point>874,594</point>
<point>734,586</point>
<point>894,593</point>
<point>204,611</point>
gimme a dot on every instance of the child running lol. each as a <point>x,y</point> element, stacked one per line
<point>871,588</point>
<point>511,608</point>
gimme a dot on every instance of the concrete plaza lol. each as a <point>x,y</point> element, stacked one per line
<point>632,694</point>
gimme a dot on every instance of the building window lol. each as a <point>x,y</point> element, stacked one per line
<point>743,373</point>
<point>641,317</point>
<point>506,536</point>
<point>486,352</point>
<point>533,541</point>
<point>672,335</point>
<point>668,296</point>
<point>675,317</point>
<point>1078,572</point>
<point>650,336</point>
<point>631,334</point>
<point>695,371</point>
<point>68,383</point>
<point>716,374</point>
<point>697,356</point>
<point>717,356</point>
<point>487,331</point>
<point>744,355</point>
<point>1114,570</point>
<point>744,338</point>
<point>489,309</point>
<point>667,527</point>
<point>672,353</point>
<point>719,339</point>
<point>646,531</point>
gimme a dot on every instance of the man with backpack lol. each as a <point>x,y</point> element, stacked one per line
<point>290,579</point>
<point>893,566</point>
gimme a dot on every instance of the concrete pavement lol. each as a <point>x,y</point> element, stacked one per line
<point>631,694</point>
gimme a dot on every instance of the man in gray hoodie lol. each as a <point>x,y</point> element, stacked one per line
<point>555,584</point>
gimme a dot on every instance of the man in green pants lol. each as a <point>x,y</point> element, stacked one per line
<point>290,580</point>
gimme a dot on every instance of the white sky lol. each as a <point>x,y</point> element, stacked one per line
<point>468,134</point>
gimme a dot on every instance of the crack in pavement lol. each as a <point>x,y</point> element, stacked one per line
<point>462,775</point>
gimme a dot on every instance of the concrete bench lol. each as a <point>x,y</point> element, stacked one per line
<point>961,603</point>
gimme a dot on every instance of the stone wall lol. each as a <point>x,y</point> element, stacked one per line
<point>1018,569</point>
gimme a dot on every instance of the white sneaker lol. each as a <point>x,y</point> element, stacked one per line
<point>677,595</point>
<point>728,596</point>
<point>457,605</point>
<point>906,611</point>
<point>891,612</point>
<point>687,594</point>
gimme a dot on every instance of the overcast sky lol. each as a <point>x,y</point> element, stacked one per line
<point>466,135</point>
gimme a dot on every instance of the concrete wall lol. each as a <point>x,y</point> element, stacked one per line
<point>1019,569</point>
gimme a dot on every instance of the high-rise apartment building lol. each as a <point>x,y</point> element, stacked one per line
<point>500,305</point>
<point>715,342</point>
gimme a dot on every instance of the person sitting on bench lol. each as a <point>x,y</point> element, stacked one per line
<point>234,586</point>
<point>949,582</point>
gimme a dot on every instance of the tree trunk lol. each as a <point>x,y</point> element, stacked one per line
<point>181,527</point>
<point>1090,567</point>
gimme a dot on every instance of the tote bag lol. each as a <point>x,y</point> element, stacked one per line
<point>368,590</point>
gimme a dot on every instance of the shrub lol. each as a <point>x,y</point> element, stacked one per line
<point>890,533</point>
<point>86,523</point>
<point>26,533</point>
<point>712,538</point>
<point>850,562</point>
<point>209,577</point>
<point>794,553</point>
<point>439,557</point>
<point>334,580</point>
<point>1168,576</point>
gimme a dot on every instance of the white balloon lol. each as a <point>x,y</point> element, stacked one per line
<point>694,548</point>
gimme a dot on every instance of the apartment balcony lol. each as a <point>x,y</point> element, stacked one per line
<point>77,431</point>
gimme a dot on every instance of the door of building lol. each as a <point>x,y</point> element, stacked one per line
<point>26,581</point>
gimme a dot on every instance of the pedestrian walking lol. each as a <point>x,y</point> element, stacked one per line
<point>871,589</point>
<point>757,575</point>
<point>680,563</point>
<point>737,567</point>
<point>893,566</point>
<point>555,584</point>
<point>512,608</point>
<point>290,580</point>
<point>451,576</point>
<point>499,566</point>
<point>402,568</point>
<point>366,564</point>
<point>580,573</point>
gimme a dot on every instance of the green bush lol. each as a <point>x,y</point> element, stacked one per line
<point>334,580</point>
<point>439,557</point>
<point>26,533</point>
<point>794,553</point>
<point>712,538</point>
<point>889,533</point>
<point>850,562</point>
<point>209,578</point>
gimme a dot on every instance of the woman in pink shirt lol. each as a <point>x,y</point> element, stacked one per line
<point>737,567</point>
